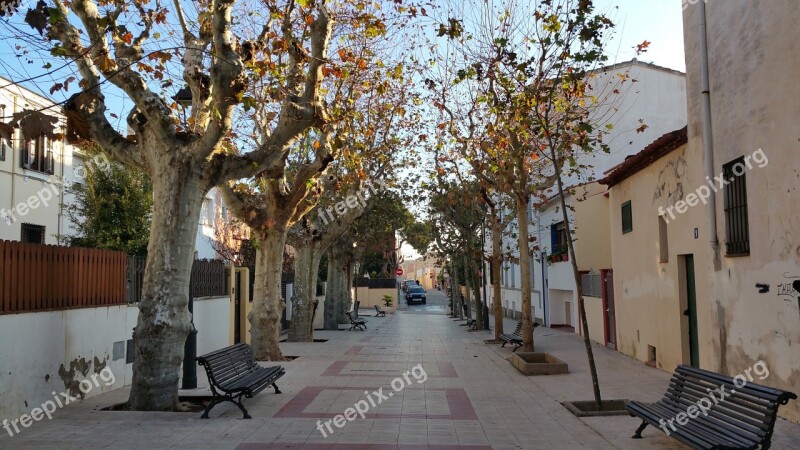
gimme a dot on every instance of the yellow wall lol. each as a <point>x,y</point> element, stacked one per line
<point>593,247</point>
<point>592,228</point>
<point>649,297</point>
<point>594,318</point>
<point>754,104</point>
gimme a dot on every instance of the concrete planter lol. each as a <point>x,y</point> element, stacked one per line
<point>588,408</point>
<point>538,363</point>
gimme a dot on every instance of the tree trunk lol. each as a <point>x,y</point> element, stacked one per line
<point>458,311</point>
<point>164,321</point>
<point>467,288</point>
<point>587,343</point>
<point>497,258</point>
<point>336,295</point>
<point>349,301</point>
<point>268,303</point>
<point>476,290</point>
<point>525,270</point>
<point>306,267</point>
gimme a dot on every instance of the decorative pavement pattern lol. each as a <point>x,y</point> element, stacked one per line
<point>472,398</point>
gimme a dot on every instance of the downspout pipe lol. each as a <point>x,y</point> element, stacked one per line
<point>708,138</point>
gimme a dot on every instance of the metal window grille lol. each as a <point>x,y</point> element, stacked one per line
<point>591,285</point>
<point>736,223</point>
<point>31,233</point>
<point>627,217</point>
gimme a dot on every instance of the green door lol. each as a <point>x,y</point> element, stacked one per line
<point>691,311</point>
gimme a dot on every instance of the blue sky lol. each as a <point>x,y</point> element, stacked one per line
<point>658,21</point>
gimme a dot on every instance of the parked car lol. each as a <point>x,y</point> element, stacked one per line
<point>415,293</point>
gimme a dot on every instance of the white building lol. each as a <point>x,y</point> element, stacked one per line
<point>657,100</point>
<point>33,171</point>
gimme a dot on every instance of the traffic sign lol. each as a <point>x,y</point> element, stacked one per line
<point>399,271</point>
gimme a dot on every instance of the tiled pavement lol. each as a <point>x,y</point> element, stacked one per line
<point>472,399</point>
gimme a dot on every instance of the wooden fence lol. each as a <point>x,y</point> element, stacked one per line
<point>35,277</point>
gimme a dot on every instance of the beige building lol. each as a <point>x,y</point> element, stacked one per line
<point>753,303</point>
<point>660,273</point>
<point>33,172</point>
<point>703,232</point>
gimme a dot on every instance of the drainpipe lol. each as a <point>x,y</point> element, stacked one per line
<point>708,143</point>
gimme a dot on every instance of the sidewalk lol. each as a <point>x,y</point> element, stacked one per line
<point>472,399</point>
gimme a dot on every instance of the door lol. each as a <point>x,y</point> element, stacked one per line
<point>691,312</point>
<point>608,306</point>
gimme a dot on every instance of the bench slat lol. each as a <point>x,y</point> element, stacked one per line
<point>745,418</point>
<point>656,412</point>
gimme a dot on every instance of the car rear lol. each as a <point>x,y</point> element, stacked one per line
<point>415,294</point>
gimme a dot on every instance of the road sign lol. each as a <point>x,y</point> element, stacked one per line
<point>399,271</point>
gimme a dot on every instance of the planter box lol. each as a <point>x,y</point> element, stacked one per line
<point>588,408</point>
<point>538,363</point>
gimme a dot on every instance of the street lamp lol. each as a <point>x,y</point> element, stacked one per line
<point>184,99</point>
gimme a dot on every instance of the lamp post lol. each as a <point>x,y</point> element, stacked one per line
<point>190,347</point>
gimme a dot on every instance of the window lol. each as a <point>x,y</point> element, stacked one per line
<point>737,229</point>
<point>38,155</point>
<point>627,217</point>
<point>5,144</point>
<point>663,242</point>
<point>32,233</point>
<point>513,275</point>
<point>505,274</point>
<point>558,238</point>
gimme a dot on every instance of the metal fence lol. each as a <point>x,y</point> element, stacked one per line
<point>209,278</point>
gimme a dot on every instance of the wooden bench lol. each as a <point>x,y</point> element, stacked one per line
<point>744,418</point>
<point>379,311</point>
<point>356,323</point>
<point>515,337</point>
<point>233,373</point>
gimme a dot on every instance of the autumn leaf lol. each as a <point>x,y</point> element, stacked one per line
<point>641,48</point>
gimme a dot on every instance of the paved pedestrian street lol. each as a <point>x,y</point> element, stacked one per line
<point>421,380</point>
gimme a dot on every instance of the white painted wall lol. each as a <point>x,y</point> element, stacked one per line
<point>33,346</point>
<point>212,320</point>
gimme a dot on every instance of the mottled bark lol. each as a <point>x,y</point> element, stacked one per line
<point>525,269</point>
<point>164,320</point>
<point>497,258</point>
<point>306,268</point>
<point>476,291</point>
<point>268,303</point>
<point>337,295</point>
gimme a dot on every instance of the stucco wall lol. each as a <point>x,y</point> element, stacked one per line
<point>754,104</point>
<point>76,343</point>
<point>55,350</point>
<point>212,320</point>
<point>649,295</point>
<point>594,318</point>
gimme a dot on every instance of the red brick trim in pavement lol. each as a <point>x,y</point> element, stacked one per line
<point>311,446</point>
<point>446,369</point>
<point>457,401</point>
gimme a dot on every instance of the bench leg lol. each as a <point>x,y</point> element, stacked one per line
<point>504,344</point>
<point>638,433</point>
<point>516,347</point>
<point>211,404</point>
<point>245,415</point>
<point>277,391</point>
